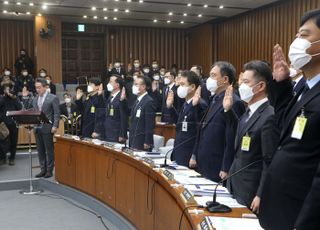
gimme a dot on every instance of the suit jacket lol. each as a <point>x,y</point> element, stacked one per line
<point>185,141</point>
<point>247,184</point>
<point>52,88</point>
<point>142,128</point>
<point>215,143</point>
<point>167,115</point>
<point>50,108</point>
<point>290,174</point>
<point>64,111</point>
<point>112,122</point>
<point>122,73</point>
<point>88,109</point>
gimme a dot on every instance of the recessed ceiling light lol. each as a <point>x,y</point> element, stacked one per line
<point>140,1</point>
<point>189,4</point>
<point>105,18</point>
<point>39,15</point>
<point>168,21</point>
<point>182,22</point>
<point>170,13</point>
<point>128,0</point>
<point>28,13</point>
<point>95,17</point>
<point>44,6</point>
<point>185,14</point>
<point>205,6</point>
<point>31,4</point>
<point>115,10</point>
<point>116,0</point>
<point>105,9</point>
<point>155,20</point>
<point>221,7</point>
<point>199,15</point>
<point>6,2</point>
<point>5,11</point>
<point>85,16</point>
<point>93,8</point>
<point>18,3</point>
<point>115,18</point>
<point>127,11</point>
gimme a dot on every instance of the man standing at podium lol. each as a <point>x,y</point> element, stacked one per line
<point>49,105</point>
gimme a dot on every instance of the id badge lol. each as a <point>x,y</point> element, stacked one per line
<point>245,143</point>
<point>184,125</point>
<point>138,113</point>
<point>93,109</point>
<point>74,114</point>
<point>299,127</point>
<point>111,112</point>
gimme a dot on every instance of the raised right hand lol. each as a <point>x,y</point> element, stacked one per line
<point>228,98</point>
<point>280,66</point>
<point>170,99</point>
<point>79,94</point>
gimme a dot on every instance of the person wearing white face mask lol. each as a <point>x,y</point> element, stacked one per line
<point>205,93</point>
<point>89,105</point>
<point>25,80</point>
<point>68,108</point>
<point>117,69</point>
<point>290,195</point>
<point>142,119</point>
<point>214,149</point>
<point>166,115</point>
<point>51,86</point>
<point>112,121</point>
<point>246,187</point>
<point>189,117</point>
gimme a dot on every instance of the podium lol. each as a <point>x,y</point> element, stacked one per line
<point>29,118</point>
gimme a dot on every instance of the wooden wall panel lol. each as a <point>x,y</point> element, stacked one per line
<point>15,35</point>
<point>253,35</point>
<point>48,50</point>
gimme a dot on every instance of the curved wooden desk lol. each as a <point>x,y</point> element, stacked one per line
<point>128,185</point>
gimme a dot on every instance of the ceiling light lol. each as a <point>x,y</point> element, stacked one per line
<point>105,18</point>
<point>189,4</point>
<point>6,2</point>
<point>205,6</point>
<point>185,14</point>
<point>170,13</point>
<point>127,11</point>
<point>116,0</point>
<point>155,20</point>
<point>28,13</point>
<point>115,18</point>
<point>128,0</point>
<point>39,15</point>
<point>168,21</point>
<point>115,10</point>
<point>95,17</point>
<point>5,11</point>
<point>199,15</point>
<point>85,16</point>
<point>93,8</point>
<point>105,9</point>
<point>182,22</point>
<point>140,1</point>
<point>221,7</point>
<point>31,4</point>
<point>18,3</point>
<point>44,6</point>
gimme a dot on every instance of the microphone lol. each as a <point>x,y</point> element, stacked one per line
<point>214,206</point>
<point>165,165</point>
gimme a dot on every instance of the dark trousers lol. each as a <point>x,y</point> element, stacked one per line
<point>45,150</point>
<point>13,140</point>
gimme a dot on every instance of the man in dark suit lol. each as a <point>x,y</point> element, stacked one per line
<point>249,128</point>
<point>214,150</point>
<point>112,122</point>
<point>286,191</point>
<point>118,69</point>
<point>49,105</point>
<point>89,105</point>
<point>136,67</point>
<point>24,81</point>
<point>167,116</point>
<point>68,108</point>
<point>189,117</point>
<point>142,116</point>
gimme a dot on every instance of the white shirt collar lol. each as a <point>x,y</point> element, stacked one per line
<point>44,95</point>
<point>141,96</point>
<point>114,95</point>
<point>256,105</point>
<point>189,101</point>
<point>312,82</point>
<point>171,85</point>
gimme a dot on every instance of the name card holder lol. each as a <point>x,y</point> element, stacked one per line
<point>149,162</point>
<point>128,151</point>
<point>168,175</point>
<point>205,224</point>
<point>188,197</point>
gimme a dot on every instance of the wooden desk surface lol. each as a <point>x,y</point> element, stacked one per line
<point>130,186</point>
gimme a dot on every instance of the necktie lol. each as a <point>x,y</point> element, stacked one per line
<point>243,119</point>
<point>305,89</point>
<point>40,103</point>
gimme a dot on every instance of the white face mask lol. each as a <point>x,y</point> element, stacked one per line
<point>298,52</point>
<point>293,72</point>
<point>135,77</point>
<point>146,70</point>
<point>167,81</point>
<point>212,85</point>
<point>116,65</point>
<point>42,74</point>
<point>156,77</point>
<point>7,73</point>
<point>110,87</point>
<point>25,73</point>
<point>154,66</point>
<point>135,90</point>
<point>182,91</point>
<point>49,81</point>
<point>67,100</point>
<point>246,92</point>
<point>136,65</point>
<point>89,88</point>
<point>48,90</point>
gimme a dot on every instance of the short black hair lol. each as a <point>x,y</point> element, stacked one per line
<point>198,67</point>
<point>172,73</point>
<point>226,69</point>
<point>95,80</point>
<point>313,14</point>
<point>146,81</point>
<point>118,80</point>
<point>6,68</point>
<point>43,69</point>
<point>192,78</point>
<point>43,81</point>
<point>262,72</point>
<point>67,94</point>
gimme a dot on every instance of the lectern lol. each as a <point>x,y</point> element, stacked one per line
<point>30,118</point>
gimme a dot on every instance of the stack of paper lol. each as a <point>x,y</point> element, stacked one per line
<point>225,223</point>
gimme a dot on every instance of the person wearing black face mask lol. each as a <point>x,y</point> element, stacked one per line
<point>24,62</point>
<point>9,102</point>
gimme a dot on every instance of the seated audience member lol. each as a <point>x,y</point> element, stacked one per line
<point>25,80</point>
